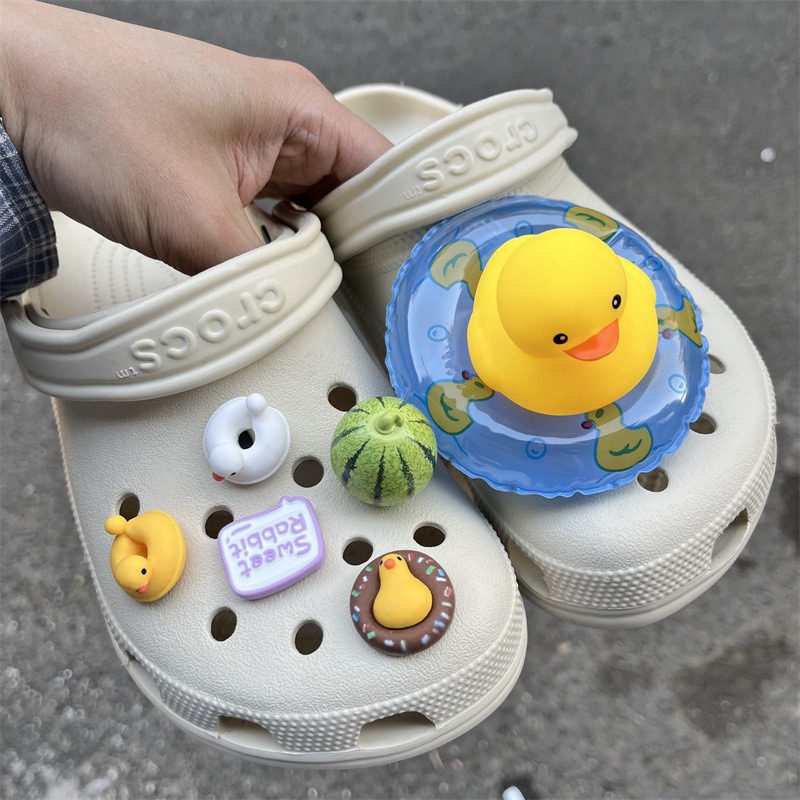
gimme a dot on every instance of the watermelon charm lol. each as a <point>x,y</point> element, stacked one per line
<point>384,451</point>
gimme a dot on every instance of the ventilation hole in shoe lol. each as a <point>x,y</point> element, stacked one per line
<point>530,574</point>
<point>217,520</point>
<point>703,424</point>
<point>342,397</point>
<point>654,481</point>
<point>144,680</point>
<point>395,731</point>
<point>717,367</point>
<point>308,472</point>
<point>265,234</point>
<point>729,540</point>
<point>357,552</point>
<point>247,439</point>
<point>246,734</point>
<point>223,624</point>
<point>308,638</point>
<point>123,655</point>
<point>129,506</point>
<point>429,536</point>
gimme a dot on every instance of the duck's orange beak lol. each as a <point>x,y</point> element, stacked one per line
<point>597,346</point>
<point>389,563</point>
<point>142,589</point>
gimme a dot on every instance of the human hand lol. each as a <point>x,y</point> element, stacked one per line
<point>158,141</point>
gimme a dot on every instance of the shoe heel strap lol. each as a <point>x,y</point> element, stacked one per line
<point>186,335</point>
<point>467,157</point>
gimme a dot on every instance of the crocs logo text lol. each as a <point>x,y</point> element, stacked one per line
<point>459,159</point>
<point>213,326</point>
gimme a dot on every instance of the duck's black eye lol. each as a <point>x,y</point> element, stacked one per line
<point>144,572</point>
<point>560,338</point>
<point>615,301</point>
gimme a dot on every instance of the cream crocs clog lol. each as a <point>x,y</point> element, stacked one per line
<point>619,558</point>
<point>229,602</point>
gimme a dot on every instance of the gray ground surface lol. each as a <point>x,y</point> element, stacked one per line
<point>676,103</point>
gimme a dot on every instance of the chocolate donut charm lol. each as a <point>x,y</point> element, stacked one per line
<point>402,602</point>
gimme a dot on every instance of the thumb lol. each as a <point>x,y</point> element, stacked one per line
<point>219,235</point>
<point>356,146</point>
<point>359,143</point>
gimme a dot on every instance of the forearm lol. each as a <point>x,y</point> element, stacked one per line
<point>158,141</point>
<point>47,55</point>
<point>116,125</point>
<point>27,238</point>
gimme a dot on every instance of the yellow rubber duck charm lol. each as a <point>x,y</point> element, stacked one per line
<point>148,554</point>
<point>617,447</point>
<point>402,600</point>
<point>561,324</point>
<point>448,402</point>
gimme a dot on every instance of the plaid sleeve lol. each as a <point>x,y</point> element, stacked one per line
<point>27,237</point>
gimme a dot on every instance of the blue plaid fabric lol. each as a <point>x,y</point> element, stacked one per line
<point>27,237</point>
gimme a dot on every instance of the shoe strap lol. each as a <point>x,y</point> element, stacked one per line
<point>186,335</point>
<point>461,160</point>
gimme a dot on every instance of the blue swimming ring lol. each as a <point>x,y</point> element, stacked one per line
<point>483,433</point>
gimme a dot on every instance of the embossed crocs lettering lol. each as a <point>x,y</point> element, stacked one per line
<point>256,305</point>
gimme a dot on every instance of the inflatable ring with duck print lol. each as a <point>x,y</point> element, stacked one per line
<point>481,431</point>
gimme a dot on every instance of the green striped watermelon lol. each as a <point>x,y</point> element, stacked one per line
<point>384,451</point>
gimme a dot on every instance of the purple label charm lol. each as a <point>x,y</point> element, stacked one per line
<point>268,552</point>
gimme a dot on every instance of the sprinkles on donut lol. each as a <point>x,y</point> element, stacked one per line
<point>402,602</point>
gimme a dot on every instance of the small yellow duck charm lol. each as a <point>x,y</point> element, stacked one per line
<point>148,554</point>
<point>402,600</point>
<point>561,324</point>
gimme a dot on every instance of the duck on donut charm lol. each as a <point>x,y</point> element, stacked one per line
<point>402,603</point>
<point>245,440</point>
